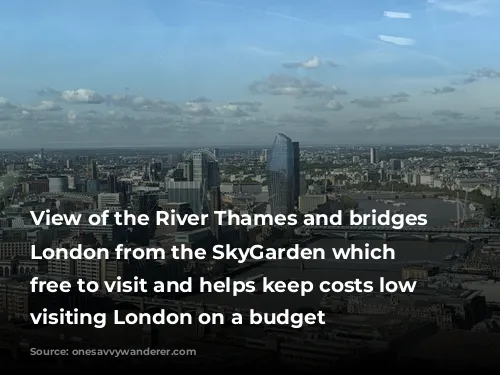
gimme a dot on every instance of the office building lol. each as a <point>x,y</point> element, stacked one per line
<point>153,170</point>
<point>92,187</point>
<point>205,169</point>
<point>215,205</point>
<point>280,176</point>
<point>187,170</point>
<point>186,191</point>
<point>39,185</point>
<point>112,184</point>
<point>263,156</point>
<point>374,156</point>
<point>111,201</point>
<point>296,172</point>
<point>396,164</point>
<point>58,184</point>
<point>92,170</point>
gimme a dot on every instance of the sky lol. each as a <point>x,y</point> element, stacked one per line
<point>236,72</point>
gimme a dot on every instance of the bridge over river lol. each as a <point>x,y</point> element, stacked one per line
<point>387,233</point>
<point>390,195</point>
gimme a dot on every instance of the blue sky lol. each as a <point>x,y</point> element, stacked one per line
<point>178,50</point>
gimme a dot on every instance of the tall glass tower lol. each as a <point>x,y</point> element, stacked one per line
<point>280,176</point>
<point>296,173</point>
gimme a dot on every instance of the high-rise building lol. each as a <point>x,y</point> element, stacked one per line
<point>187,170</point>
<point>280,176</point>
<point>396,164</point>
<point>186,192</point>
<point>154,170</point>
<point>92,170</point>
<point>215,205</point>
<point>263,156</point>
<point>92,187</point>
<point>374,156</point>
<point>206,170</point>
<point>296,172</point>
<point>112,184</point>
<point>147,203</point>
<point>174,159</point>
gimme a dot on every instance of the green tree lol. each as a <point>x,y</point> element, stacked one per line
<point>348,203</point>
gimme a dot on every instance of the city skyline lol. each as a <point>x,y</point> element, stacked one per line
<point>422,72</point>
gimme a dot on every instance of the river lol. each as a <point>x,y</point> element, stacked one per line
<point>407,250</point>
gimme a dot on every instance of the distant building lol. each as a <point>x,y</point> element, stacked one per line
<point>296,172</point>
<point>420,272</point>
<point>110,200</point>
<point>215,205</point>
<point>246,188</point>
<point>205,169</point>
<point>39,186</point>
<point>310,202</point>
<point>263,156</point>
<point>186,191</point>
<point>92,187</point>
<point>396,164</point>
<point>92,170</point>
<point>58,184</point>
<point>280,176</point>
<point>374,158</point>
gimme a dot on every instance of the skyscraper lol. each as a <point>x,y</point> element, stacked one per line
<point>280,176</point>
<point>296,173</point>
<point>205,170</point>
<point>112,183</point>
<point>215,205</point>
<point>186,192</point>
<point>92,170</point>
<point>373,156</point>
<point>263,155</point>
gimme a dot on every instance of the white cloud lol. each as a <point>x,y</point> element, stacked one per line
<point>81,96</point>
<point>4,103</point>
<point>44,105</point>
<point>194,108</point>
<point>71,116</point>
<point>400,15</point>
<point>334,105</point>
<point>399,41</point>
<point>313,63</point>
<point>231,110</point>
